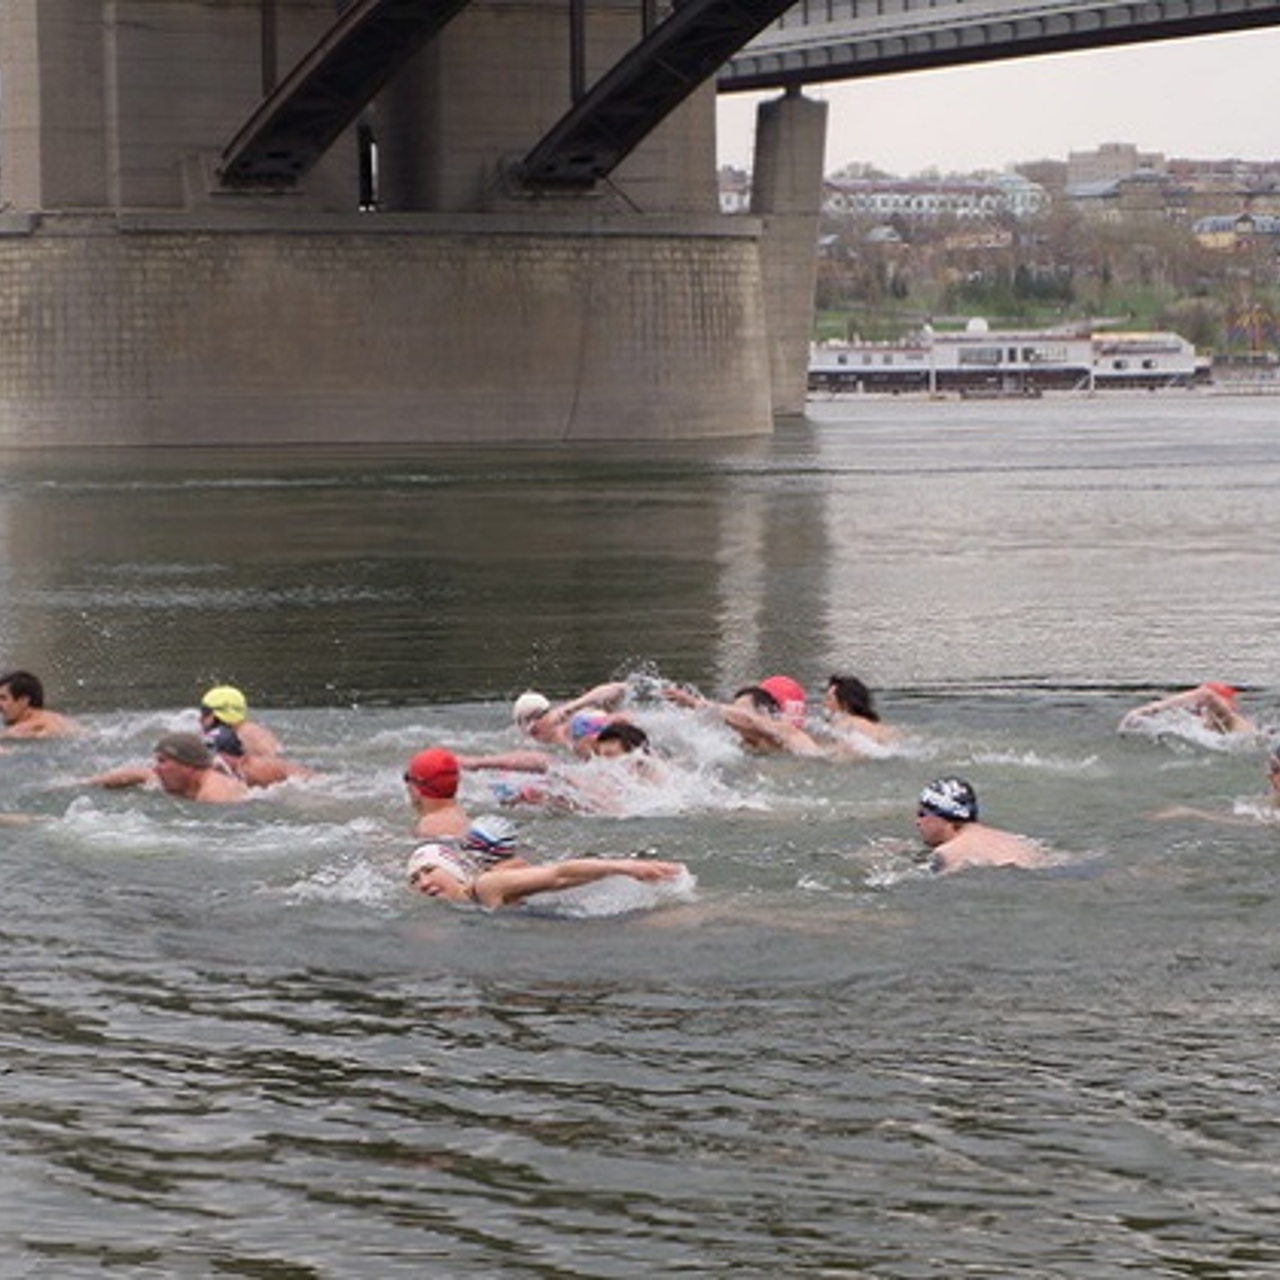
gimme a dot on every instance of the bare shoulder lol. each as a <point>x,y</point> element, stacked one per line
<point>978,845</point>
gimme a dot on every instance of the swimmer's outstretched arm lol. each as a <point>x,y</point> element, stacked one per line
<point>682,697</point>
<point>1201,700</point>
<point>605,696</point>
<point>504,886</point>
<point>784,736</point>
<point>126,776</point>
<point>1178,811</point>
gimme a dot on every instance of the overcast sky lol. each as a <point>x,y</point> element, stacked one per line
<point>1207,97</point>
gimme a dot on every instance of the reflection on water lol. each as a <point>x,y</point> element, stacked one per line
<point>1101,542</point>
<point>235,1045</point>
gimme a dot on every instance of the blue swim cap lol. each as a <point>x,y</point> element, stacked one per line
<point>586,724</point>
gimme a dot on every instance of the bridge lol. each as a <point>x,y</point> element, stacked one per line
<point>446,219</point>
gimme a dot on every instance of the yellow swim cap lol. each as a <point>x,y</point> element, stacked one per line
<point>226,703</point>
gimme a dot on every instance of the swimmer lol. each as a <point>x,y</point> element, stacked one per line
<point>1268,808</point>
<point>947,820</point>
<point>622,766</point>
<point>1213,704</point>
<point>549,725</point>
<point>851,708</point>
<point>584,731</point>
<point>619,739</point>
<point>768,717</point>
<point>184,767</point>
<point>431,781</point>
<point>585,785</point>
<point>441,872</point>
<point>629,744</point>
<point>25,715</point>
<point>244,748</point>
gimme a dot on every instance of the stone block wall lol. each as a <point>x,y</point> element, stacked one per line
<point>124,333</point>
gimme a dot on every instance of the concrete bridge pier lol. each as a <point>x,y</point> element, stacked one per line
<point>786,194</point>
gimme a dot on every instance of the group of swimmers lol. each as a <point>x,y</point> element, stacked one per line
<point>219,764</point>
<point>477,860</point>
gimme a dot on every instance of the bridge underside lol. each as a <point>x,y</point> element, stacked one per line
<point>820,40</point>
<point>642,89</point>
<point>322,96</point>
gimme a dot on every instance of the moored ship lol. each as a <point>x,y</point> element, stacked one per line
<point>990,363</point>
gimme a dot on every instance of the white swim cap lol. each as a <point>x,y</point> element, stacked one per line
<point>427,857</point>
<point>529,706</point>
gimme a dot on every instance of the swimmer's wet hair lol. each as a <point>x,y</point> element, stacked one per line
<point>631,736</point>
<point>761,699</point>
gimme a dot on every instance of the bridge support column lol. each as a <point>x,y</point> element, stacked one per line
<point>786,195</point>
<point>53,131</point>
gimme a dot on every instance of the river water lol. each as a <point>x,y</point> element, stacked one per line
<point>234,1044</point>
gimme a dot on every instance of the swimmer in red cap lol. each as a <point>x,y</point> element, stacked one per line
<point>431,781</point>
<point>1214,704</point>
<point>768,717</point>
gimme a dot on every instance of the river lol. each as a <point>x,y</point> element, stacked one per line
<point>235,1044</point>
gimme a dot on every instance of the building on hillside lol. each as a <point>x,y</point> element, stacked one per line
<point>1142,195</point>
<point>1111,162</point>
<point>1229,232</point>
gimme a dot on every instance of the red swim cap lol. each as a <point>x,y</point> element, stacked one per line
<point>434,772</point>
<point>788,694</point>
<point>1226,691</point>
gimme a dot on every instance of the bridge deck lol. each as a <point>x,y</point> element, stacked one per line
<point>823,40</point>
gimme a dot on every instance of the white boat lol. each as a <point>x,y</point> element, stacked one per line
<point>991,363</point>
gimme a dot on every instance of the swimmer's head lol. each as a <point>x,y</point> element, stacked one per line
<point>789,694</point>
<point>950,798</point>
<point>1227,692</point>
<point>427,858</point>
<point>490,838</point>
<point>849,694</point>
<point>433,773</point>
<point>528,707</point>
<point>185,749</point>
<point>620,739</point>
<point>22,684</point>
<point>759,699</point>
<point>226,704</point>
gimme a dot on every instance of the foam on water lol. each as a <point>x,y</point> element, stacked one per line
<point>613,896</point>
